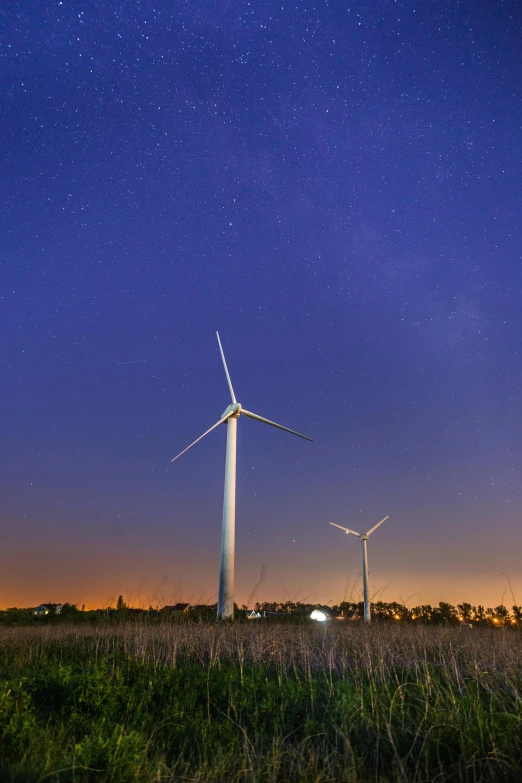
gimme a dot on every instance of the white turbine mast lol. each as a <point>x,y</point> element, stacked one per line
<point>225,607</point>
<point>364,538</point>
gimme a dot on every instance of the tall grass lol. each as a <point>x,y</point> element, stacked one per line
<point>260,702</point>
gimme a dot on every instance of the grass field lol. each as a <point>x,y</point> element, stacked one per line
<point>259,702</point>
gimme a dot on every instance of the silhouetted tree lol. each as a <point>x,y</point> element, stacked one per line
<point>445,614</point>
<point>120,603</point>
<point>423,613</point>
<point>498,616</point>
<point>466,611</point>
<point>70,612</point>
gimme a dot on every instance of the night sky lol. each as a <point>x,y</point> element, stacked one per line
<point>334,186</point>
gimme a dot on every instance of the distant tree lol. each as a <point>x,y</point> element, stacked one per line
<point>292,607</point>
<point>498,616</point>
<point>16,616</point>
<point>517,614</point>
<point>466,612</point>
<point>490,615</point>
<point>120,604</point>
<point>380,610</point>
<point>445,614</point>
<point>69,612</point>
<point>423,613</point>
<point>397,611</point>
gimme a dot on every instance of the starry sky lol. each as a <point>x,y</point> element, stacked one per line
<point>334,186</point>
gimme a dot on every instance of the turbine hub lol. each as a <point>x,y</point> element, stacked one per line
<point>235,407</point>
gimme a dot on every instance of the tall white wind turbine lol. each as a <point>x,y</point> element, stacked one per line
<point>364,538</point>
<point>225,607</point>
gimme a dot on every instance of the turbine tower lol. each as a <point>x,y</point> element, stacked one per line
<point>364,538</point>
<point>230,415</point>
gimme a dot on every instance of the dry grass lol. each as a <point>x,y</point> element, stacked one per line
<point>335,648</point>
<point>263,702</point>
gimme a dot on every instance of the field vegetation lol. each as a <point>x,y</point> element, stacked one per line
<point>259,702</point>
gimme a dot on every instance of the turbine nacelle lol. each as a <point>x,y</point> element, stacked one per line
<point>362,536</point>
<point>234,409</point>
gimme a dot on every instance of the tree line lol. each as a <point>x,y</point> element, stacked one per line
<point>384,612</point>
<point>442,614</point>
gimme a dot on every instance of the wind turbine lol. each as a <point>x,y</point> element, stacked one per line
<point>364,538</point>
<point>230,415</point>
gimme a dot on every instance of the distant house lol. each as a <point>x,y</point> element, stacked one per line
<point>253,614</point>
<point>352,617</point>
<point>175,608</point>
<point>46,609</point>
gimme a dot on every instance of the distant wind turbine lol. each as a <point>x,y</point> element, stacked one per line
<point>225,607</point>
<point>364,538</point>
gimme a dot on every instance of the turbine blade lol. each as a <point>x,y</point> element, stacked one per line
<point>273,424</point>
<point>226,370</point>
<point>205,433</point>
<point>346,530</point>
<point>376,526</point>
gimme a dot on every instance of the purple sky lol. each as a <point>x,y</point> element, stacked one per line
<point>334,186</point>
